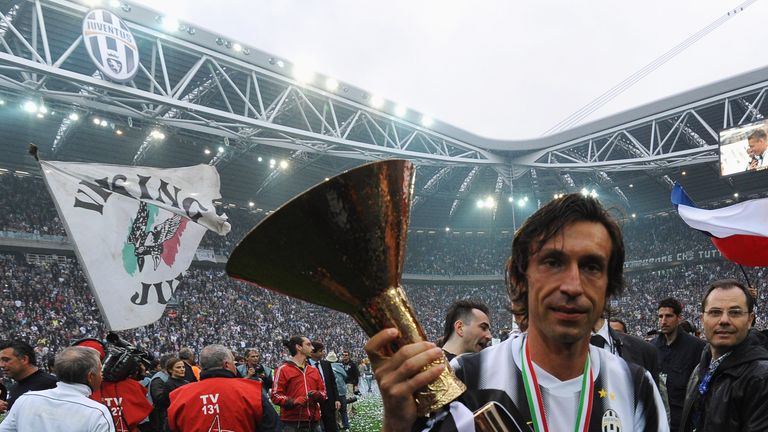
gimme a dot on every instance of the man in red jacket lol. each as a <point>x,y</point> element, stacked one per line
<point>220,401</point>
<point>298,388</point>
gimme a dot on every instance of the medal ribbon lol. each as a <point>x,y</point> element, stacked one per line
<point>536,402</point>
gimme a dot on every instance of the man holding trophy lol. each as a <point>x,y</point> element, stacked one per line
<point>567,261</point>
<point>342,245</point>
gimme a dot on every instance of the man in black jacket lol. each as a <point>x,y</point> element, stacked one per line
<point>332,404</point>
<point>631,348</point>
<point>728,390</point>
<point>678,353</point>
<point>17,360</point>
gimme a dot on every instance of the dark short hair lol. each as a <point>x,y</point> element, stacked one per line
<point>317,346</point>
<point>186,353</point>
<point>617,320</point>
<point>249,351</point>
<point>673,304</point>
<point>73,364</point>
<point>169,363</point>
<point>20,349</point>
<point>291,343</point>
<point>549,221</point>
<point>164,359</point>
<point>460,310</point>
<point>728,284</point>
<point>757,134</point>
<point>688,327</point>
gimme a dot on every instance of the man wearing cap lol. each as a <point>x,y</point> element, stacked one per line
<point>17,360</point>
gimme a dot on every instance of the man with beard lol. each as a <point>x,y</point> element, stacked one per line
<point>466,329</point>
<point>678,354</point>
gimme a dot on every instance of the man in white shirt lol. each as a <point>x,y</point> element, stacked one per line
<point>567,261</point>
<point>757,146</point>
<point>66,407</point>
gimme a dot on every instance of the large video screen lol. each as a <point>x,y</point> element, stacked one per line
<point>744,148</point>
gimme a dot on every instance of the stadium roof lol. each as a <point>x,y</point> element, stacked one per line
<point>238,107</point>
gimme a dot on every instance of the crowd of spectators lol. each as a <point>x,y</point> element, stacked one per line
<point>50,305</point>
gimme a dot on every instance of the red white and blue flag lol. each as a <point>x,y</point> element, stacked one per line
<point>739,232</point>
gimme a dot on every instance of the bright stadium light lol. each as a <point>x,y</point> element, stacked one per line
<point>96,121</point>
<point>283,164</point>
<point>221,149</point>
<point>447,229</point>
<point>593,194</point>
<point>511,199</point>
<point>521,202</point>
<point>584,192</point>
<point>170,24</point>
<point>251,204</point>
<point>303,74</point>
<point>634,215</point>
<point>480,203</point>
<point>206,151</point>
<point>74,117</point>
<point>331,84</point>
<point>377,101</point>
<point>103,123</point>
<point>237,47</point>
<point>259,158</point>
<point>30,107</point>
<point>736,195</point>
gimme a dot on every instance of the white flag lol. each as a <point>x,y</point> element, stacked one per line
<point>135,230</point>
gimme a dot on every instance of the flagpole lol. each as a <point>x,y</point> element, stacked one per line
<point>749,284</point>
<point>33,150</point>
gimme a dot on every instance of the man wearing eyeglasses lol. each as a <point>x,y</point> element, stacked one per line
<point>728,390</point>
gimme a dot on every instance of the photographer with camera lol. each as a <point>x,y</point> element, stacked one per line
<point>121,391</point>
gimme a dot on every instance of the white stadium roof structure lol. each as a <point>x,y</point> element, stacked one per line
<point>237,108</point>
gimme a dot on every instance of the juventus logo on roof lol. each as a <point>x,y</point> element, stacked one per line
<point>110,45</point>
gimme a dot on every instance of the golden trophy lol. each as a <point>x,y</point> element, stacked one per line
<point>341,245</point>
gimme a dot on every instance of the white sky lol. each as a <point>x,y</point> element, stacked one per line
<point>501,69</point>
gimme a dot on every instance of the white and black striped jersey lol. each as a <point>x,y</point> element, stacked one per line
<point>625,397</point>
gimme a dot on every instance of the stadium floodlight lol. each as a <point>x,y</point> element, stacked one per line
<point>521,202</point>
<point>96,121</point>
<point>490,202</point>
<point>237,47</point>
<point>283,164</point>
<point>426,121</point>
<point>631,185</point>
<point>118,131</point>
<point>593,194</point>
<point>2,102</point>
<point>331,84</point>
<point>170,24</point>
<point>156,134</point>
<point>584,192</point>
<point>377,101</point>
<point>259,159</point>
<point>40,115</point>
<point>525,198</point>
<point>280,63</point>
<point>401,111</point>
<point>251,204</point>
<point>447,229</point>
<point>221,149</point>
<point>30,107</point>
<point>480,203</point>
<point>272,163</point>
<point>683,173</point>
<point>634,215</point>
<point>303,74</point>
<point>511,199</point>
<point>103,123</point>
<point>74,116</point>
<point>42,109</point>
<point>206,151</point>
<point>736,195</point>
